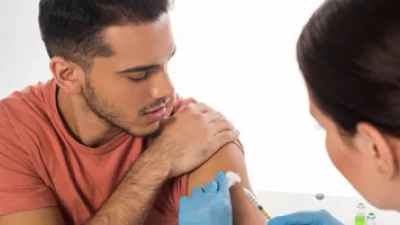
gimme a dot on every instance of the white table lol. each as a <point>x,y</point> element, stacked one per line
<point>343,208</point>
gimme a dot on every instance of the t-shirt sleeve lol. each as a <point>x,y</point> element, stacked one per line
<point>167,202</point>
<point>20,187</point>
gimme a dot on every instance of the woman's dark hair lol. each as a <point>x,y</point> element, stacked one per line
<point>349,54</point>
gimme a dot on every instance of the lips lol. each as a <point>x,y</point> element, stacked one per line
<point>157,114</point>
<point>156,109</point>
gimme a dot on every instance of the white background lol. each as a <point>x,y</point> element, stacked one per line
<point>237,56</point>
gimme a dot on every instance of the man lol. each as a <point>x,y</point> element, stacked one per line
<point>97,144</point>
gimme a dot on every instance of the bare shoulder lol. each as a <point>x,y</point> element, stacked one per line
<point>42,216</point>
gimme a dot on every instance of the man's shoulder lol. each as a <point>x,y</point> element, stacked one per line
<point>25,104</point>
<point>25,112</point>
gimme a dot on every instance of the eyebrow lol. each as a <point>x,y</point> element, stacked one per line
<point>143,67</point>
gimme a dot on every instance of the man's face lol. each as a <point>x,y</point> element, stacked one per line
<point>132,90</point>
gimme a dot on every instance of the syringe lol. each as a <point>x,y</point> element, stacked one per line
<point>259,206</point>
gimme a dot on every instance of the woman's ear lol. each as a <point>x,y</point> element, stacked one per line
<point>378,148</point>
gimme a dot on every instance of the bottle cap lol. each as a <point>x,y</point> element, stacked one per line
<point>371,216</point>
<point>319,196</point>
<point>361,205</point>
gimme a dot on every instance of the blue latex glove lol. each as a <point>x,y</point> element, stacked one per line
<point>211,205</point>
<point>321,217</point>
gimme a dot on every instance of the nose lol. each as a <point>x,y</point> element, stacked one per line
<point>161,85</point>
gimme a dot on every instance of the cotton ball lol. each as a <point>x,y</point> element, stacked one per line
<point>232,178</point>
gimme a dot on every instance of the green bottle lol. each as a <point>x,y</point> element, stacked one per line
<point>360,216</point>
<point>360,220</point>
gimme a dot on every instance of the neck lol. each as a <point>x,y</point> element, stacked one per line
<point>82,123</point>
<point>394,199</point>
<point>396,196</point>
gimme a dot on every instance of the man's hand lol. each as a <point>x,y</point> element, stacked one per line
<point>321,217</point>
<point>191,136</point>
<point>211,205</point>
<point>187,139</point>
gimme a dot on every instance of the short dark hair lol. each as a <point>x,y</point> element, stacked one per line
<point>349,54</point>
<point>73,28</point>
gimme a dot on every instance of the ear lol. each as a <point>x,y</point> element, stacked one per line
<point>372,142</point>
<point>68,75</point>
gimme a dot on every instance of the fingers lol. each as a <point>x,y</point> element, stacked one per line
<point>220,184</point>
<point>225,137</point>
<point>181,103</point>
<point>211,187</point>
<point>197,192</point>
<point>167,121</point>
<point>222,125</point>
<point>213,115</point>
<point>218,121</point>
<point>202,108</point>
<point>188,101</point>
<point>217,118</point>
<point>223,186</point>
<point>184,201</point>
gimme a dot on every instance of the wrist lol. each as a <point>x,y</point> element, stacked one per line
<point>132,200</point>
<point>157,154</point>
<point>150,165</point>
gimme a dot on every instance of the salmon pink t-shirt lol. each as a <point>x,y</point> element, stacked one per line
<point>42,165</point>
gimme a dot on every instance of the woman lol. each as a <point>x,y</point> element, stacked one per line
<point>349,55</point>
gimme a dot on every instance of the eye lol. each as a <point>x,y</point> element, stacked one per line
<point>140,77</point>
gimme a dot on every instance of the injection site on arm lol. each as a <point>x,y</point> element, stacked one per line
<point>232,178</point>
<point>230,158</point>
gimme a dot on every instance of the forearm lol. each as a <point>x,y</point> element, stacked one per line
<point>131,202</point>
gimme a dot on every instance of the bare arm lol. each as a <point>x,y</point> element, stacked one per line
<point>230,158</point>
<point>128,205</point>
<point>133,199</point>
